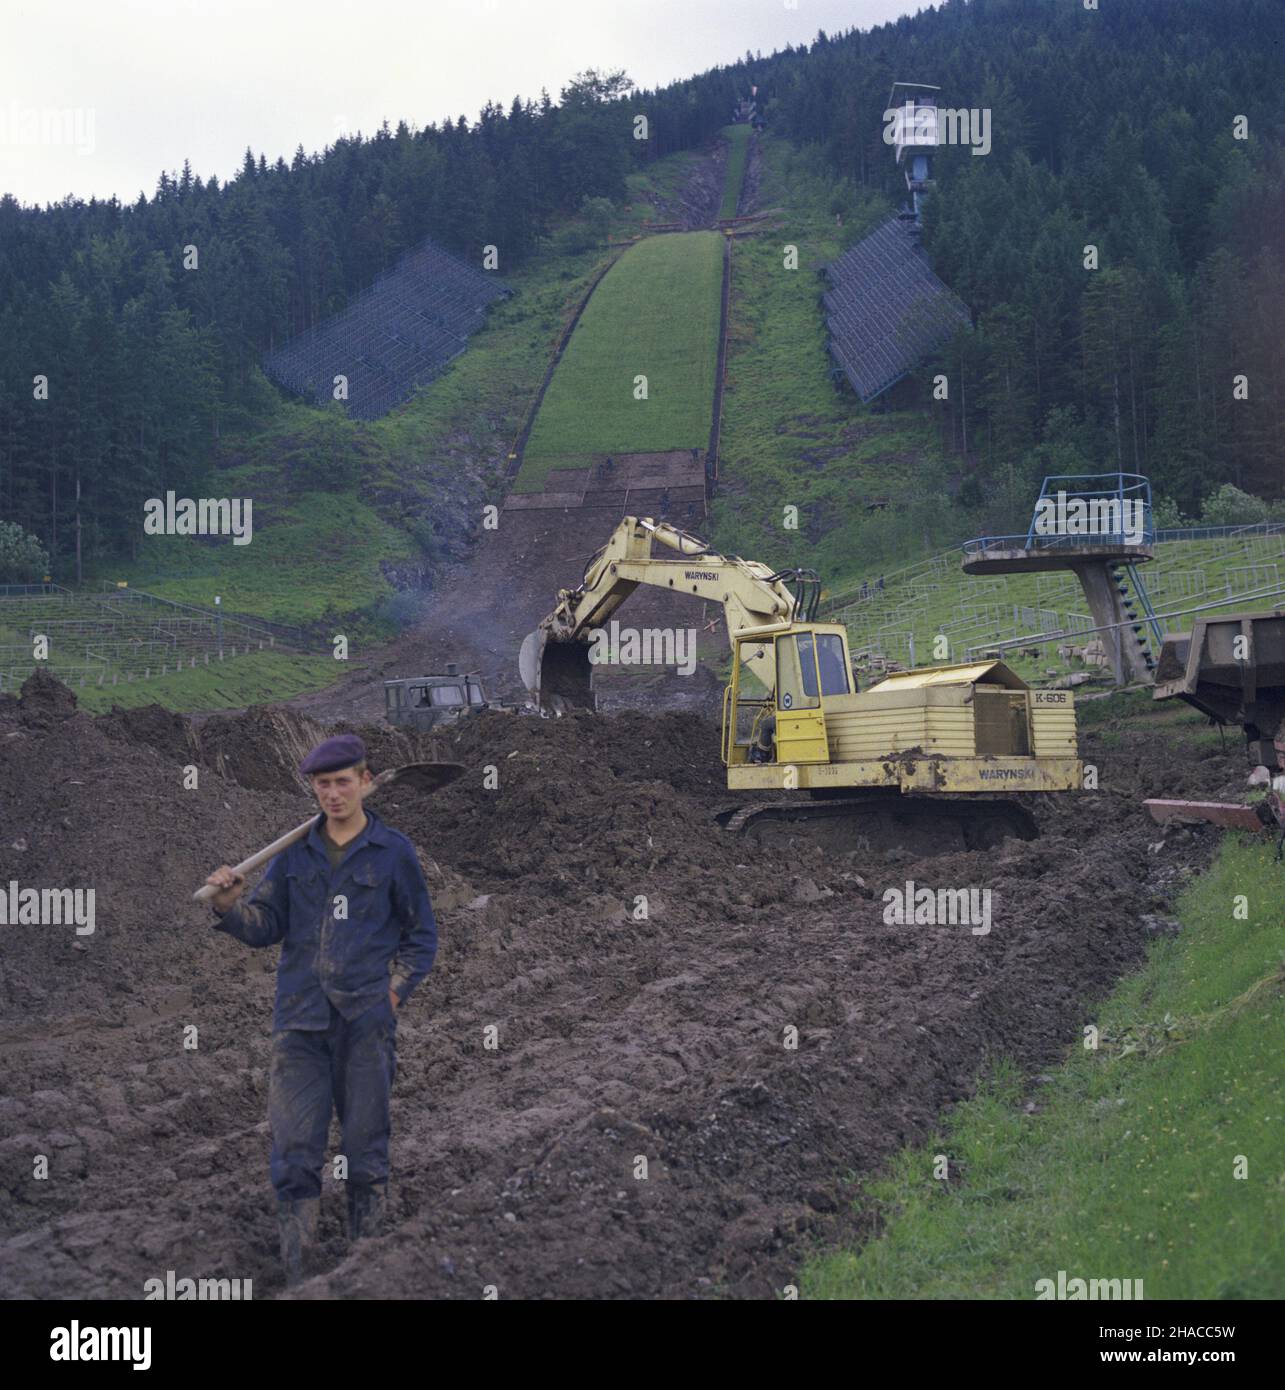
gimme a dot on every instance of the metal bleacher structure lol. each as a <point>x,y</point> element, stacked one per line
<point>397,335</point>
<point>120,636</point>
<point>885,309</point>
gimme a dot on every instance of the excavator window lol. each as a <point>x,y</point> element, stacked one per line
<point>830,663</point>
<point>820,654</point>
<point>796,672</point>
<point>437,696</point>
<point>807,663</point>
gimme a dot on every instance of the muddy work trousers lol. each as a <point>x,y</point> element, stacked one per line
<point>348,1066</point>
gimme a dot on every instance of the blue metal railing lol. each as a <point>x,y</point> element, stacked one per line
<point>1130,496</point>
<point>1160,537</point>
<point>1121,500</point>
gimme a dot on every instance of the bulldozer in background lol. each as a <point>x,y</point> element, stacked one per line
<point>917,752</point>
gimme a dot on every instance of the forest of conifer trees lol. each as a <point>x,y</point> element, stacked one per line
<point>1147,129</point>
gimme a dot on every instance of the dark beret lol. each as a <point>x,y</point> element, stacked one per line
<point>333,753</point>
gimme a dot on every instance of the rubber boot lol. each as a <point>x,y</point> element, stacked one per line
<point>365,1210</point>
<point>297,1224</point>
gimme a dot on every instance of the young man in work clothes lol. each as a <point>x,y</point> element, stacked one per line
<point>348,903</point>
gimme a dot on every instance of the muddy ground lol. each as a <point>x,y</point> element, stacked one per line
<point>620,1038</point>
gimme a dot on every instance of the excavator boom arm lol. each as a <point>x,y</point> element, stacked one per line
<point>752,597</point>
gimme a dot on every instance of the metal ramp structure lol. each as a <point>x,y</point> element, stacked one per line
<point>1099,527</point>
<point>893,618</point>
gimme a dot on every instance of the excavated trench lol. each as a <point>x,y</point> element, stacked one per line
<point>627,1042</point>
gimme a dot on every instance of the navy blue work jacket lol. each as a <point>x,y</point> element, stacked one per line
<point>340,931</point>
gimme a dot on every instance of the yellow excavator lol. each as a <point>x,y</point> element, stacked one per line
<point>918,751</point>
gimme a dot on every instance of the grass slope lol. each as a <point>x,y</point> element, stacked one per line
<point>1129,1168</point>
<point>257,678</point>
<point>738,140</point>
<point>655,314</point>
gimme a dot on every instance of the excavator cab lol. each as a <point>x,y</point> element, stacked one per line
<point>804,666</point>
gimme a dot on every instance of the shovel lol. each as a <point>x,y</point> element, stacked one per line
<point>421,777</point>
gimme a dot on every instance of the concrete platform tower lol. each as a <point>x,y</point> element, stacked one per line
<point>1099,527</point>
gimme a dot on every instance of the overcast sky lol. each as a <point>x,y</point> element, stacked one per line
<point>98,96</point>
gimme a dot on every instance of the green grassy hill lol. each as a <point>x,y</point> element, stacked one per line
<point>738,153</point>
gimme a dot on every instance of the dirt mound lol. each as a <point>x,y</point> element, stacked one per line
<point>44,701</point>
<point>260,748</point>
<point>157,728</point>
<point>597,1091</point>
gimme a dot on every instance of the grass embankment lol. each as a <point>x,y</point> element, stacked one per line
<point>257,678</point>
<point>738,155</point>
<point>655,314</point>
<point>1129,1168</point>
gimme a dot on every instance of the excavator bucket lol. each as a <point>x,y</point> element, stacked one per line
<point>558,675</point>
